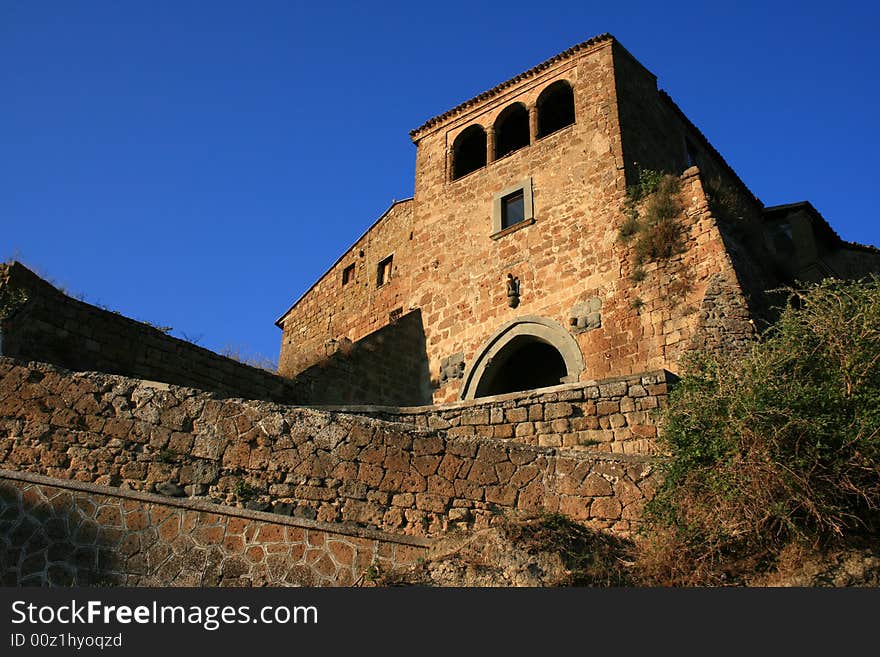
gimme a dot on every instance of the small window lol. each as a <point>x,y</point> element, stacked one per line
<point>383,272</point>
<point>691,153</point>
<point>348,274</point>
<point>512,209</point>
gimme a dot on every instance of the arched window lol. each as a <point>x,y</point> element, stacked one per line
<point>468,151</point>
<point>555,108</point>
<point>511,129</point>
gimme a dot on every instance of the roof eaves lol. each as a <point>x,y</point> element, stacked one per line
<point>494,91</point>
<point>823,225</point>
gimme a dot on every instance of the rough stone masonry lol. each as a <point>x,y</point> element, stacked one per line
<point>314,464</point>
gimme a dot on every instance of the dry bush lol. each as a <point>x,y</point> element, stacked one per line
<point>780,446</point>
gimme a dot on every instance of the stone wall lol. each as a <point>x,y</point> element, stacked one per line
<point>49,326</point>
<point>315,464</point>
<point>61,533</point>
<point>389,366</point>
<point>617,415</point>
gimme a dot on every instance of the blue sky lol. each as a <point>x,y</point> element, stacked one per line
<point>199,164</point>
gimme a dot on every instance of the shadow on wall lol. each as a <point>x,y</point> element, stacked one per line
<point>389,366</point>
<point>55,542</point>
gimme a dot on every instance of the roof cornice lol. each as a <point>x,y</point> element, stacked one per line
<point>497,89</point>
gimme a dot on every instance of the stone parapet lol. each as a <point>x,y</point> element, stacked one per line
<point>617,415</point>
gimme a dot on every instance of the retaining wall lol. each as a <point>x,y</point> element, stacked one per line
<point>320,465</point>
<point>39,322</point>
<point>62,533</point>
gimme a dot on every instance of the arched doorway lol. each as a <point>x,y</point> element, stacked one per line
<point>524,354</point>
<point>524,363</point>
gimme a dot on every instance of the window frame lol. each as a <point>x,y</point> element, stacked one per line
<point>386,263</point>
<point>348,274</point>
<point>498,229</point>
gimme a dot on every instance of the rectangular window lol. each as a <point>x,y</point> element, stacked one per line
<point>512,209</point>
<point>348,274</point>
<point>691,152</point>
<point>383,272</point>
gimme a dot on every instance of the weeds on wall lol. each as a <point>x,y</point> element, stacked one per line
<point>10,301</point>
<point>651,225</point>
<point>252,359</point>
<point>243,490</point>
<point>652,230</point>
<point>777,449</point>
<point>658,236</point>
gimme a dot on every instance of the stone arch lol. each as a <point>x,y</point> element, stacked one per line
<point>468,151</point>
<point>511,129</point>
<point>555,108</point>
<point>537,336</point>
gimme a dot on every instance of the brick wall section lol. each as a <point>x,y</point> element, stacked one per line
<point>330,467</point>
<point>650,136</point>
<point>654,134</point>
<point>61,533</point>
<point>53,327</point>
<point>617,415</point>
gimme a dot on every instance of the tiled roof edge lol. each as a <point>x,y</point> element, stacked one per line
<point>494,91</point>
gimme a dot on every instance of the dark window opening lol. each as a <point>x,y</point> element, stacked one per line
<point>555,108</point>
<point>513,209</point>
<point>783,242</point>
<point>692,159</point>
<point>525,363</point>
<point>383,272</point>
<point>348,274</point>
<point>468,151</point>
<point>511,130</point>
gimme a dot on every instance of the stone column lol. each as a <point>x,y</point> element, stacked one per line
<point>533,123</point>
<point>490,144</point>
<point>449,163</point>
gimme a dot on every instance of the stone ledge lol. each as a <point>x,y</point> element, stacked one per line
<point>208,507</point>
<point>665,376</point>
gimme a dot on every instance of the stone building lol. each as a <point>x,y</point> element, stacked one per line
<point>510,268</point>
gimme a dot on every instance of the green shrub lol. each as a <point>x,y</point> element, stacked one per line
<point>243,490</point>
<point>780,446</point>
<point>654,229</point>
<point>649,181</point>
